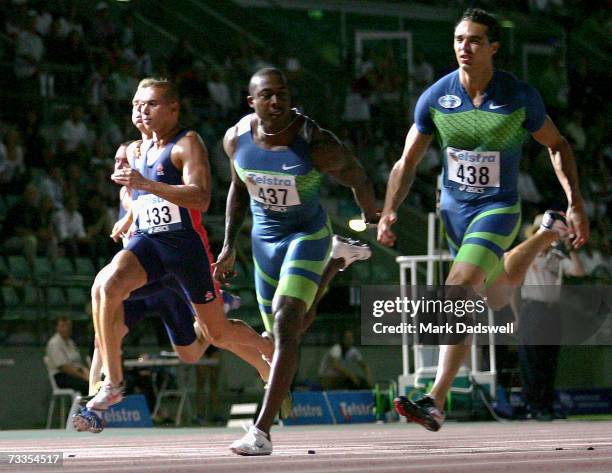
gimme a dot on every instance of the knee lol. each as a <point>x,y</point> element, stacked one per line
<point>217,335</point>
<point>287,325</point>
<point>187,356</point>
<point>95,289</point>
<point>112,287</point>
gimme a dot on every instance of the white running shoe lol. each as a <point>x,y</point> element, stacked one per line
<point>349,250</point>
<point>107,396</point>
<point>254,442</point>
<point>554,221</point>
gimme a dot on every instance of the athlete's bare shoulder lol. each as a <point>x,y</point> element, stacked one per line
<point>230,140</point>
<point>189,147</point>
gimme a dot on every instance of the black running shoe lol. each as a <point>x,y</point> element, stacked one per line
<point>423,412</point>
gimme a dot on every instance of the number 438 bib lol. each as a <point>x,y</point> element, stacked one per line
<point>473,168</point>
<point>276,192</point>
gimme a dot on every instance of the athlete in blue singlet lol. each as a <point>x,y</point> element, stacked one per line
<point>481,116</point>
<point>278,159</point>
<point>169,190</point>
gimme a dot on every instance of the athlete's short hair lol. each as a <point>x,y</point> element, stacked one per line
<point>266,71</point>
<point>478,15</point>
<point>170,90</point>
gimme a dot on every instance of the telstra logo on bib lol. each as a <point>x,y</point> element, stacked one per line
<point>449,101</point>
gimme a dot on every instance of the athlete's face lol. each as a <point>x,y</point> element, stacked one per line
<point>473,49</point>
<point>121,160</point>
<point>137,119</point>
<point>270,99</point>
<point>156,112</point>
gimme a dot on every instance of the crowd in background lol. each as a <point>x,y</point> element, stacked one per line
<point>69,78</point>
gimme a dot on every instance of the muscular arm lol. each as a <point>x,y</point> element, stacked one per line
<point>333,158</point>
<point>564,164</point>
<point>400,181</point>
<point>191,155</point>
<point>237,197</point>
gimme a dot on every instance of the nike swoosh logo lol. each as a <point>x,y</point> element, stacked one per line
<point>493,107</point>
<point>284,167</point>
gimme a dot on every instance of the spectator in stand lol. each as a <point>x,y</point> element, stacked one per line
<point>422,74</point>
<point>29,51</point>
<point>73,132</point>
<point>65,360</point>
<point>98,227</point>
<point>26,231</point>
<point>343,366</point>
<point>44,19</point>
<point>144,64</point>
<point>574,131</point>
<point>98,87</point>
<point>220,94</point>
<point>17,18</point>
<point>12,166</point>
<point>103,30</point>
<point>32,139</point>
<point>68,228</point>
<point>123,83</point>
<point>182,59</point>
<point>52,185</point>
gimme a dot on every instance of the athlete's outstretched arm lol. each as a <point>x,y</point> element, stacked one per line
<point>564,163</point>
<point>400,181</point>
<point>190,155</point>
<point>235,213</point>
<point>330,156</point>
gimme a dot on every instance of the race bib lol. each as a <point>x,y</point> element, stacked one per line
<point>157,215</point>
<point>272,191</point>
<point>473,168</point>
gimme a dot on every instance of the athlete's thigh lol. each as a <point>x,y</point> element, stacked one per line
<point>177,315</point>
<point>268,256</point>
<point>184,255</point>
<point>303,265</point>
<point>490,233</point>
<point>143,249</point>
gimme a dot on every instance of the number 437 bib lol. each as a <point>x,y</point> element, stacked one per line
<point>473,168</point>
<point>276,192</point>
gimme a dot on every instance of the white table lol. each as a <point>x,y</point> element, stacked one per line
<point>182,379</point>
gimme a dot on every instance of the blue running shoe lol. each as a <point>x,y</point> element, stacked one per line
<point>88,421</point>
<point>230,301</point>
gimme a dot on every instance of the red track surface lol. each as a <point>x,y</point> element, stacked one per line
<point>467,447</point>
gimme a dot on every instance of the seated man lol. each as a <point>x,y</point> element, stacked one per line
<point>65,359</point>
<point>343,366</point>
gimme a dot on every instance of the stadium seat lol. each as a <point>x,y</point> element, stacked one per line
<point>10,303</point>
<point>55,301</point>
<point>18,267</point>
<point>42,268</point>
<point>84,267</point>
<point>11,200</point>
<point>63,267</point>
<point>77,298</point>
<point>33,306</point>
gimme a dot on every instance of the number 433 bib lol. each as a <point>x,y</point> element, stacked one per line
<point>157,215</point>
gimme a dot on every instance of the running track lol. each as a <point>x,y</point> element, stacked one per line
<point>517,447</point>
